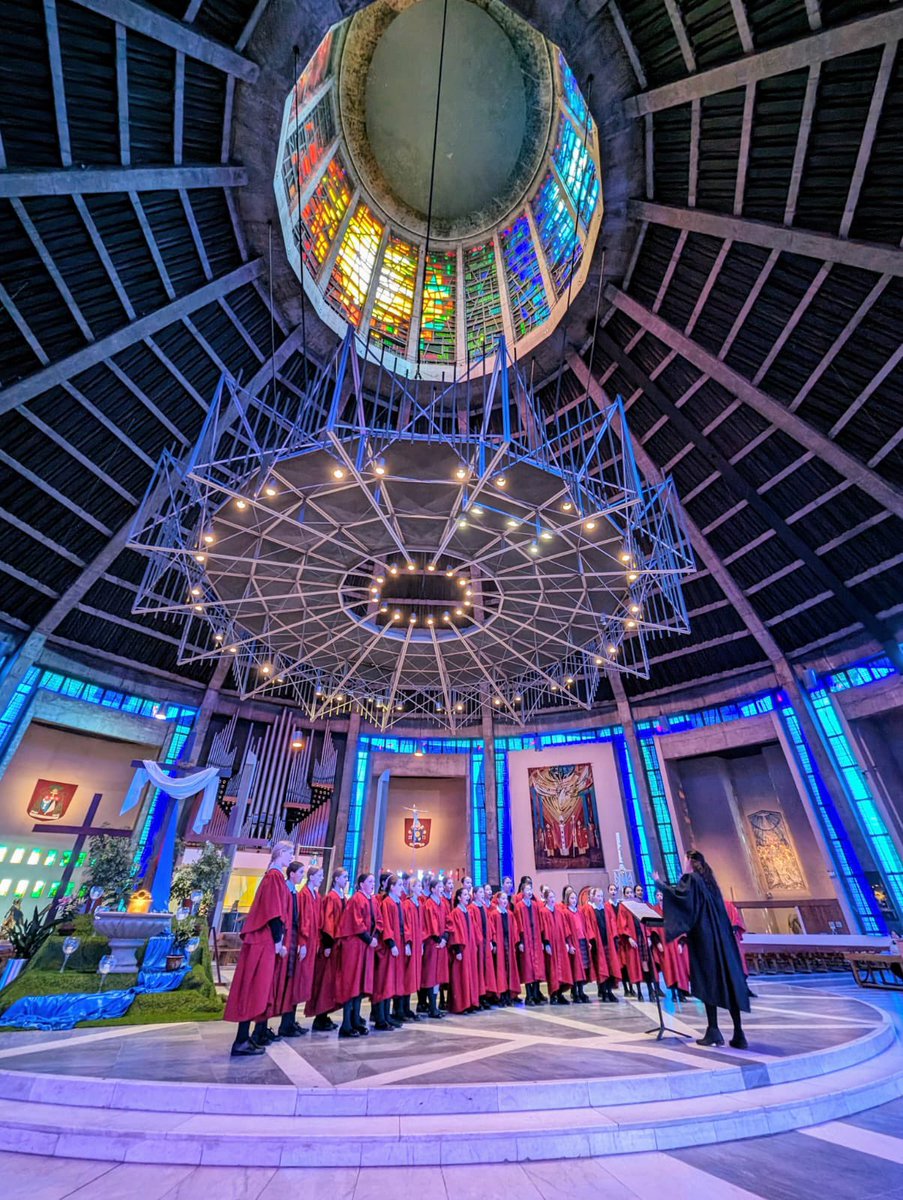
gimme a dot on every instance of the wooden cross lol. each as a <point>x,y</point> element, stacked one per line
<point>81,833</point>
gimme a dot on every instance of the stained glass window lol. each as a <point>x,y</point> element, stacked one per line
<point>312,75</point>
<point>394,302</point>
<point>322,215</point>
<point>526,292</point>
<point>573,97</point>
<point>349,282</point>
<point>482,302</point>
<point>555,225</point>
<point>314,134</point>
<point>438,329</point>
<point>576,170</point>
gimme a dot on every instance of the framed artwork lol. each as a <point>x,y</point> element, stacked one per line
<point>565,817</point>
<point>50,799</point>
<point>776,855</point>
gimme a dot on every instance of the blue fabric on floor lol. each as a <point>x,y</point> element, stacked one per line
<point>66,1010</point>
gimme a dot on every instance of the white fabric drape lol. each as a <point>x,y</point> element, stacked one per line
<point>205,780</point>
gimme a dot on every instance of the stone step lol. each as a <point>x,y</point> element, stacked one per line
<point>731,1071</point>
<point>118,1135</point>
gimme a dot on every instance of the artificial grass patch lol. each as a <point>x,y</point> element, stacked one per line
<point>195,1000</point>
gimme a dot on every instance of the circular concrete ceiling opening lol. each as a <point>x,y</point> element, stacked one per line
<point>482,115</point>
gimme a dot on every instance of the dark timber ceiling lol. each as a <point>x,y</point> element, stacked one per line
<point>755,334</point>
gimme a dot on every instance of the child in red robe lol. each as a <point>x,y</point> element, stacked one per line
<point>309,924</point>
<point>436,929</point>
<point>602,945</point>
<point>579,941</point>
<point>388,970</point>
<point>557,947</point>
<point>464,981</point>
<point>358,938</point>
<point>288,968</point>
<point>251,996</point>
<point>504,933</point>
<point>412,970</point>
<point>675,960</point>
<point>485,965</point>
<point>531,960</point>
<point>651,962</point>
<point>629,947</point>
<point>326,966</point>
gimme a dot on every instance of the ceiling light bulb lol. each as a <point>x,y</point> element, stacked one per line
<point>338,473</point>
<point>569,681</point>
<point>241,504</point>
<point>209,539</point>
<point>269,490</point>
<point>459,612</point>
<point>534,549</point>
<point>396,616</point>
<point>459,707</point>
<point>590,525</point>
<point>476,510</point>
<point>195,591</point>
<point>554,687</point>
<point>201,558</point>
<point>612,649</point>
<point>634,608</point>
<point>511,523</point>
<point>233,649</point>
<point>462,582</point>
<point>380,579</point>
<point>431,566</point>
<point>546,536</point>
<point>449,574</point>
<point>461,473</point>
<point>446,616</point>
<point>497,700</point>
<point>632,577</point>
<point>501,481</point>
<point>383,608</point>
<point>412,619</point>
<point>631,624</point>
<point>217,637</point>
<point>624,557</point>
<point>462,523</point>
<point>599,661</point>
<point>199,608</point>
<point>265,670</point>
<point>379,469</point>
<point>468,591</point>
<point>393,570</point>
<point>567,506</point>
<point>411,566</point>
<point>517,698</point>
<point>431,620</point>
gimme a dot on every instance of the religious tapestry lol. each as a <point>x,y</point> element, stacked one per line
<point>776,856</point>
<point>49,800</point>
<point>565,817</point>
<point>417,831</point>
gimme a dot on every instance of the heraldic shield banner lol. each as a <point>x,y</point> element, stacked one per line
<point>417,832</point>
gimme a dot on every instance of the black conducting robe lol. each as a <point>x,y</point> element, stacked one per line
<point>716,973</point>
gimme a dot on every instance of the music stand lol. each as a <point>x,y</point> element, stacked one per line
<point>647,918</point>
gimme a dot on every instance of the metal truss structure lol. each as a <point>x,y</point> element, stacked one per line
<point>417,551</point>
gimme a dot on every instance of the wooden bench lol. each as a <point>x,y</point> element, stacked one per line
<point>881,971</point>
<point>227,948</point>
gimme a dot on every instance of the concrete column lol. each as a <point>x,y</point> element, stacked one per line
<point>625,717</point>
<point>340,816</point>
<point>207,709</point>
<point>493,870</point>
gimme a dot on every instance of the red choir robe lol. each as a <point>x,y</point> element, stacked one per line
<point>555,934</point>
<point>288,983</point>
<point>507,972</point>
<point>577,933</point>
<point>675,959</point>
<point>436,929</point>
<point>361,923</point>
<point>485,962</point>
<point>464,973</point>
<point>412,969</point>
<point>310,908</point>
<point>739,928</point>
<point>388,974</point>
<point>631,961</point>
<point>251,994</point>
<point>532,957</point>
<point>326,966</point>
<point>598,954</point>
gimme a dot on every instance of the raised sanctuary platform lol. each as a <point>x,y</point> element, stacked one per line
<point>509,1085</point>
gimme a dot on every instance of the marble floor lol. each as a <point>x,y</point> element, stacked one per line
<point>516,1045</point>
<point>851,1157</point>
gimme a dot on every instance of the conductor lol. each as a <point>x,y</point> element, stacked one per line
<point>695,907</point>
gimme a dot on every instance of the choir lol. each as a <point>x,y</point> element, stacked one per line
<point>456,950</point>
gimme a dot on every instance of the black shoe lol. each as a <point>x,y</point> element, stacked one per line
<point>383,1027</point>
<point>712,1037</point>
<point>739,1042</point>
<point>349,1033</point>
<point>752,994</point>
<point>423,1008</point>
<point>394,1022</point>
<point>436,1016</point>
<point>563,1000</point>
<point>266,1038</point>
<point>246,1050</point>
<point>292,1031</point>
<point>323,1024</point>
<point>362,1029</point>
<point>555,1000</point>
<point>410,1016</point>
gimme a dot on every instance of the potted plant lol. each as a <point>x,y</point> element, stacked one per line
<point>184,931</point>
<point>110,868</point>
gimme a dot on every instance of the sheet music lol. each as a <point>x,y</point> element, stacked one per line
<point>641,910</point>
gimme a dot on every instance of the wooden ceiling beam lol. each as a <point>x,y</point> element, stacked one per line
<point>866,256</point>
<point>176,34</point>
<point>876,30</point>
<point>72,181</point>
<point>772,410</point>
<point>136,331</point>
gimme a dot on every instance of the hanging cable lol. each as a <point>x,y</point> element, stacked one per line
<point>429,208</point>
